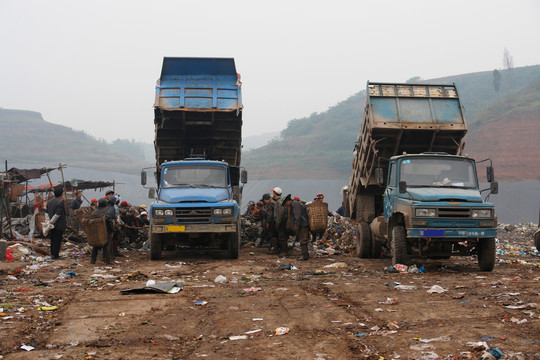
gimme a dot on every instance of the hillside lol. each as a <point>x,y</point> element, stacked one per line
<point>508,132</point>
<point>26,138</point>
<point>320,146</point>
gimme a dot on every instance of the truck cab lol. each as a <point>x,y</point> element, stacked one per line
<point>433,202</point>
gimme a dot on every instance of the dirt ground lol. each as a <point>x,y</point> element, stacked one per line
<point>334,307</point>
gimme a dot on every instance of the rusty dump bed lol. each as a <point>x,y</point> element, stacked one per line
<point>198,110</point>
<point>412,118</point>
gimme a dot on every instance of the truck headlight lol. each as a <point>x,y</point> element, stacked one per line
<point>481,214</point>
<point>164,212</point>
<point>425,212</point>
<point>222,212</point>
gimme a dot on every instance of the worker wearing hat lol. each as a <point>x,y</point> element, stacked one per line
<point>300,226</point>
<point>280,214</point>
<point>275,213</point>
<point>58,223</point>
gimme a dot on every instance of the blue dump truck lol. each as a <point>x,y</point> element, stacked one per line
<point>198,137</point>
<point>411,189</point>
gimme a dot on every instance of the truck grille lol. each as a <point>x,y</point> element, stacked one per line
<point>461,213</point>
<point>193,215</point>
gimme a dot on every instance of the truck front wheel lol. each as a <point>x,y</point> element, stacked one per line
<point>155,246</point>
<point>486,254</point>
<point>363,240</point>
<point>233,246</point>
<point>399,245</point>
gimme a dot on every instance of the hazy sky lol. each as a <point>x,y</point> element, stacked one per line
<point>92,65</point>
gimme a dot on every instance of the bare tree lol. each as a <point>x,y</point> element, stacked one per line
<point>508,63</point>
<point>508,60</point>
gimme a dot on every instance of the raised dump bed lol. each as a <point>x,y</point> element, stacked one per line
<point>198,110</point>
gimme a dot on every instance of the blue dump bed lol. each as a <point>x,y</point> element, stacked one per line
<point>411,118</point>
<point>198,110</point>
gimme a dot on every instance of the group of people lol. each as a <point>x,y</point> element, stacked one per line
<point>120,217</point>
<point>282,217</point>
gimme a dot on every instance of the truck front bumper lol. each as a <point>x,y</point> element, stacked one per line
<point>452,233</point>
<point>194,228</point>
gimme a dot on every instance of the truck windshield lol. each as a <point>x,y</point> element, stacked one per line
<point>445,172</point>
<point>193,176</point>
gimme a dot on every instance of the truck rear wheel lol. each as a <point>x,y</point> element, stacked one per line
<point>155,247</point>
<point>363,240</point>
<point>233,246</point>
<point>486,254</point>
<point>399,245</point>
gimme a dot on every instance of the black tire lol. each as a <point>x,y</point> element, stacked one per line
<point>376,248</point>
<point>486,254</point>
<point>155,247</point>
<point>399,245</point>
<point>537,240</point>
<point>363,240</point>
<point>233,246</point>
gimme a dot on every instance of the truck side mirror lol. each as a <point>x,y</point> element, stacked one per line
<point>152,193</point>
<point>379,176</point>
<point>494,187</point>
<point>402,187</point>
<point>244,177</point>
<point>143,177</point>
<point>490,174</point>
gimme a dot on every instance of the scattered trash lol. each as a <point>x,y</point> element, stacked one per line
<point>27,347</point>
<point>257,319</point>
<point>406,287</point>
<point>238,337</point>
<point>252,331</point>
<point>496,353</point>
<point>440,338</point>
<point>361,334</point>
<point>162,288</point>
<point>47,308</point>
<point>220,279</point>
<point>389,301</point>
<point>200,303</point>
<point>287,266</point>
<point>436,289</point>
<point>401,268</point>
<point>282,330</point>
<point>252,289</point>
<point>336,265</point>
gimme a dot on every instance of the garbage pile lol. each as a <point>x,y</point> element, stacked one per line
<point>339,237</point>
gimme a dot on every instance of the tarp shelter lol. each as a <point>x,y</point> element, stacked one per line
<point>77,184</point>
<point>22,175</point>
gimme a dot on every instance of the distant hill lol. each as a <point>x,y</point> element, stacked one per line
<point>320,146</point>
<point>508,132</point>
<point>26,138</point>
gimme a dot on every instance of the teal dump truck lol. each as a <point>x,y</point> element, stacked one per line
<point>198,136</point>
<point>411,189</point>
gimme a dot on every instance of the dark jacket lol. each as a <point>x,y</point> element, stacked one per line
<point>298,214</point>
<point>55,206</point>
<point>279,212</point>
<point>270,212</point>
<point>75,204</point>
